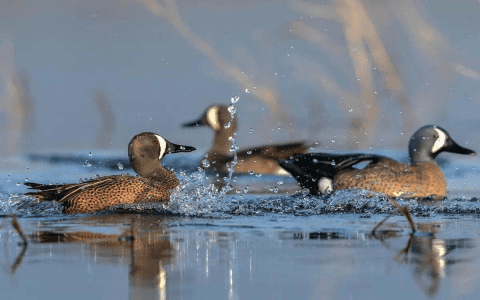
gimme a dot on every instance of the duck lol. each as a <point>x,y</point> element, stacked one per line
<point>258,160</point>
<point>322,173</point>
<point>154,183</point>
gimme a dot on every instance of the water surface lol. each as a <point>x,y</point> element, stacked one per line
<point>263,239</point>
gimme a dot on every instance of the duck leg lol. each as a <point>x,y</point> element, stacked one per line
<point>19,258</point>
<point>403,210</point>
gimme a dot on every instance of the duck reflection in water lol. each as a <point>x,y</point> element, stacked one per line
<point>148,250</point>
<point>426,253</point>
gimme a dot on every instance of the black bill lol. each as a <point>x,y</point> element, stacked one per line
<point>174,148</point>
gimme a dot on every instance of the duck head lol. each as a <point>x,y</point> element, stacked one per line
<point>216,117</point>
<point>431,140</point>
<point>146,149</point>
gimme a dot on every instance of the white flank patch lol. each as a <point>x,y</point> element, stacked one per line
<point>281,172</point>
<point>442,137</point>
<point>325,185</point>
<point>163,146</point>
<point>212,118</point>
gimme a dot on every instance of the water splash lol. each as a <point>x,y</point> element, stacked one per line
<point>25,206</point>
<point>197,196</point>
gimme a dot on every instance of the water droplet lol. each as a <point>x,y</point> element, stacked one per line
<point>87,164</point>
<point>8,178</point>
<point>251,130</point>
<point>249,152</point>
<point>26,179</point>
<point>120,166</point>
<point>89,153</point>
<point>182,148</point>
<point>245,189</point>
<point>402,133</point>
<point>232,109</point>
<point>278,129</point>
<point>227,125</point>
<point>333,139</point>
<point>247,91</point>
<point>315,160</point>
<point>19,184</point>
<point>258,175</point>
<point>333,163</point>
<point>205,163</point>
<point>235,99</point>
<point>350,110</point>
<point>357,142</point>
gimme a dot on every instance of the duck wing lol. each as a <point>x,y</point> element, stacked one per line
<point>277,151</point>
<point>309,168</point>
<point>62,192</point>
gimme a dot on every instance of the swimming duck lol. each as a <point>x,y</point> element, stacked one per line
<point>154,184</point>
<point>422,178</point>
<point>260,160</point>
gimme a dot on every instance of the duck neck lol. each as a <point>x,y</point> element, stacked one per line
<point>164,177</point>
<point>155,172</point>
<point>420,155</point>
<point>222,141</point>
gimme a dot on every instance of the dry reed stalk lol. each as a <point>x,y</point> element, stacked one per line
<point>107,118</point>
<point>16,101</point>
<point>169,11</point>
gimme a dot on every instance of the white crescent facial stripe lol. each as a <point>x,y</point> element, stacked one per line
<point>163,146</point>
<point>212,118</point>
<point>440,142</point>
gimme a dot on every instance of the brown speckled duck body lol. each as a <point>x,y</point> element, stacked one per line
<point>154,184</point>
<point>261,160</point>
<point>323,172</point>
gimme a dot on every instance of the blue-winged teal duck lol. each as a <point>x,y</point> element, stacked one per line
<point>154,184</point>
<point>261,160</point>
<point>324,172</point>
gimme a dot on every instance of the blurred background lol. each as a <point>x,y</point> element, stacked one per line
<point>90,74</point>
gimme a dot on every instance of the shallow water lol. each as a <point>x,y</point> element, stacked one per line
<point>263,239</point>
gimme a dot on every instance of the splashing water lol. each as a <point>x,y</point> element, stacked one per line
<point>234,147</point>
<point>25,206</point>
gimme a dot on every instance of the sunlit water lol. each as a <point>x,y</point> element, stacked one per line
<point>258,237</point>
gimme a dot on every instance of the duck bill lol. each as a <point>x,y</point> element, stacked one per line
<point>174,148</point>
<point>456,148</point>
<point>196,123</point>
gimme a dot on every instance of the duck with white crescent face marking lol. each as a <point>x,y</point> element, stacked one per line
<point>260,160</point>
<point>422,178</point>
<point>154,184</point>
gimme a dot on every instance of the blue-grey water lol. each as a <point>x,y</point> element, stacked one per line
<point>263,239</point>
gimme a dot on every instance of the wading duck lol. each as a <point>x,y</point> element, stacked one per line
<point>261,160</point>
<point>422,178</point>
<point>154,184</point>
